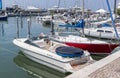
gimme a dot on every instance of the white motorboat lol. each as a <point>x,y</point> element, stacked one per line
<point>56,19</point>
<point>53,54</point>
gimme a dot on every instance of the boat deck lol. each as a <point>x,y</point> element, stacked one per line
<point>76,64</point>
<point>50,46</point>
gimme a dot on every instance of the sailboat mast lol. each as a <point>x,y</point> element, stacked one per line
<point>58,5</point>
<point>82,9</point>
<point>113,22</point>
<point>83,17</point>
<point>115,11</point>
<point>115,6</point>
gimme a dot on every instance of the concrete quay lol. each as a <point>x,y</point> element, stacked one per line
<point>108,67</point>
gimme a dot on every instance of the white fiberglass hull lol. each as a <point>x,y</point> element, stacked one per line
<point>105,34</point>
<point>45,57</point>
<point>44,60</point>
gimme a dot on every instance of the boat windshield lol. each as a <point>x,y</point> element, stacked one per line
<point>29,42</point>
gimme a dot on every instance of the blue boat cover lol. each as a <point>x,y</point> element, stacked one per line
<point>67,51</point>
<point>79,24</point>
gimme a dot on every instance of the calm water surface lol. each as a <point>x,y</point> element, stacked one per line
<point>13,64</point>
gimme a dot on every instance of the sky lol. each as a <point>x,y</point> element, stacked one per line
<point>90,4</point>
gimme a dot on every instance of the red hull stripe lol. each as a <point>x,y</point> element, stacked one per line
<point>95,48</point>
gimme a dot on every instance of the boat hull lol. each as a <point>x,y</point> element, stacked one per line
<point>91,45</point>
<point>36,69</point>
<point>105,34</point>
<point>45,60</point>
<point>94,48</point>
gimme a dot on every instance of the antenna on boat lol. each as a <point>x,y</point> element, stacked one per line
<point>113,22</point>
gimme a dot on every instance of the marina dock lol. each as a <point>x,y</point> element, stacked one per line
<point>107,67</point>
<point>59,39</point>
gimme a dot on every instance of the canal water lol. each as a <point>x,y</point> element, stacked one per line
<point>13,64</point>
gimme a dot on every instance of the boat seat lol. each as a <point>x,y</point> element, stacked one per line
<point>41,44</point>
<point>53,47</point>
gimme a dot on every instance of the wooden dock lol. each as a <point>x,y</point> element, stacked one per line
<point>108,67</point>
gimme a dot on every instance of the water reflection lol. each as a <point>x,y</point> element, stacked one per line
<point>35,69</point>
<point>2,30</point>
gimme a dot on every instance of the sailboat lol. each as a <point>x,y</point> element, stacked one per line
<point>105,32</point>
<point>3,14</point>
<point>92,45</point>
